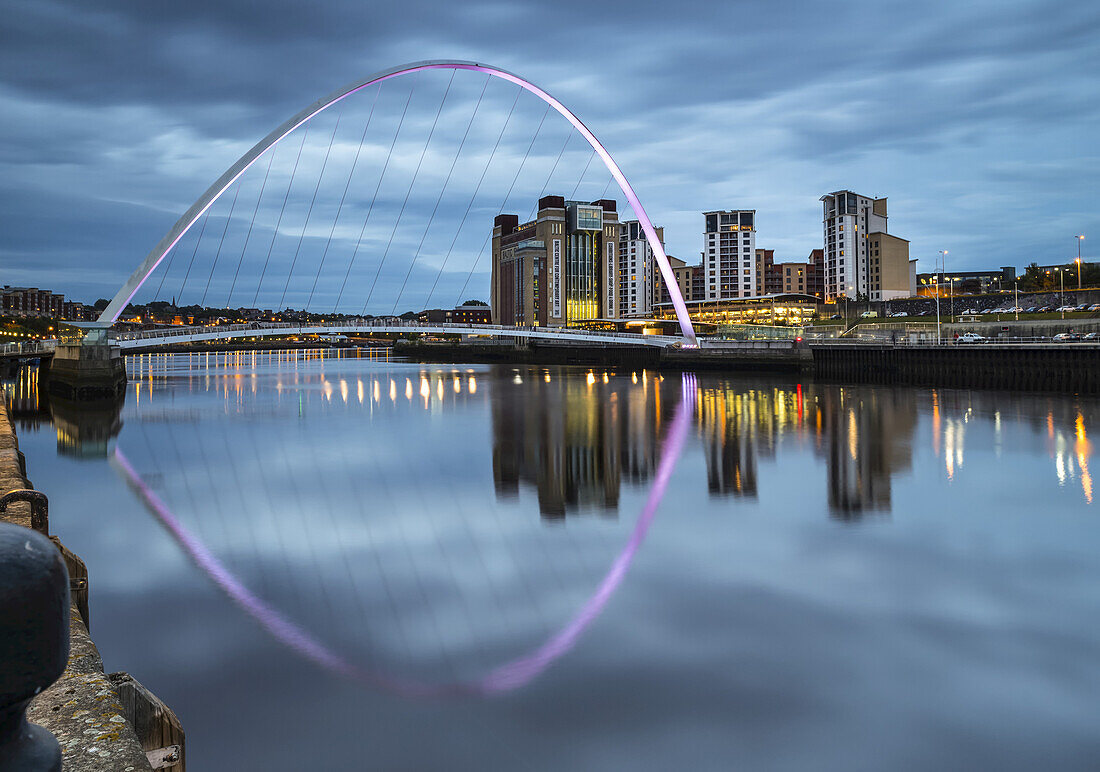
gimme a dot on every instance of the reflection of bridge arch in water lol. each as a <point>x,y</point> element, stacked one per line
<point>510,675</point>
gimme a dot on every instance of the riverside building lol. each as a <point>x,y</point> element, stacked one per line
<point>638,272</point>
<point>559,269</point>
<point>729,254</point>
<point>861,258</point>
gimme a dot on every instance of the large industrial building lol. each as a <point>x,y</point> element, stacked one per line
<point>559,269</point>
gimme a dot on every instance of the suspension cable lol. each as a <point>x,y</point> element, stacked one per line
<point>581,178</point>
<point>309,211</point>
<point>202,230</point>
<point>217,254</point>
<point>554,168</point>
<point>248,236</point>
<point>442,190</point>
<point>282,209</point>
<point>477,188</point>
<point>503,204</point>
<point>408,192</point>
<point>377,186</point>
<point>340,208</point>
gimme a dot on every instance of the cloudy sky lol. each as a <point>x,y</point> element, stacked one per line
<point>980,121</point>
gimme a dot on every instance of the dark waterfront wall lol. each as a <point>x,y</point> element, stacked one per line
<point>1053,367</point>
<point>1064,368</point>
<point>92,715</point>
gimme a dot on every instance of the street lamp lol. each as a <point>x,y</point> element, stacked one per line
<point>1062,290</point>
<point>1079,240</point>
<point>943,266</point>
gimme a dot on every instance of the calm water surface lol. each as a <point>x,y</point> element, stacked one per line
<point>333,562</point>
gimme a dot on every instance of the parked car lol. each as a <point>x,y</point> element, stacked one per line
<point>1046,309</point>
<point>1082,307</point>
<point>835,316</point>
<point>1014,310</point>
<point>970,337</point>
<point>971,312</point>
<point>1062,309</point>
<point>1066,337</point>
<point>1095,307</point>
<point>1032,309</point>
<point>1091,336</point>
<point>869,315</point>
<point>899,313</point>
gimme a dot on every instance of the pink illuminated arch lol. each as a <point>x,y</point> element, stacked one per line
<point>138,277</point>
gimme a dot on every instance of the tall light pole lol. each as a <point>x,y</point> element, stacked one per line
<point>1062,290</point>
<point>943,268</point>
<point>1080,238</point>
<point>1016,303</point>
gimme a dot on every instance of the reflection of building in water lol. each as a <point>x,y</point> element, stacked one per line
<point>574,438</point>
<point>728,423</point>
<point>864,435</point>
<point>738,425</point>
<point>27,407</point>
<point>83,429</point>
<point>867,435</point>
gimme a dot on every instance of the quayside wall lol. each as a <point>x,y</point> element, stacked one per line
<point>103,722</point>
<point>1064,368</point>
<point>1043,367</point>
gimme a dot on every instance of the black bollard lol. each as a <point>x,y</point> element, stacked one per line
<point>34,643</point>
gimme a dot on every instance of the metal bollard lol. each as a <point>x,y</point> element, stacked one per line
<point>40,507</point>
<point>34,644</point>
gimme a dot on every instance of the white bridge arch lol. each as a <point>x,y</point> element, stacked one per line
<point>165,245</point>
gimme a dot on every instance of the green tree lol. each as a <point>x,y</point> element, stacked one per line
<point>1033,278</point>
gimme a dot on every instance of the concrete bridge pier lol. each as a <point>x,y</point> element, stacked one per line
<point>87,367</point>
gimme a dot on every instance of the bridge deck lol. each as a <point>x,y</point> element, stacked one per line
<point>148,338</point>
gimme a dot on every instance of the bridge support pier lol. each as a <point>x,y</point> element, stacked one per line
<point>87,368</point>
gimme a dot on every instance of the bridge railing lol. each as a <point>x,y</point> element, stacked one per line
<point>386,325</point>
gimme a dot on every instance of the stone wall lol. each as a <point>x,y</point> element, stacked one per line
<point>82,708</point>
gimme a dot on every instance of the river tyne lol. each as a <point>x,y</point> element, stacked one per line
<point>333,561</point>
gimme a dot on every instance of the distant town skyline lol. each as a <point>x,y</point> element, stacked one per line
<point>977,123</point>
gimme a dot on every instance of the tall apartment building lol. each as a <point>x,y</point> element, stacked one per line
<point>853,266</point>
<point>638,272</point>
<point>729,249</point>
<point>558,269</point>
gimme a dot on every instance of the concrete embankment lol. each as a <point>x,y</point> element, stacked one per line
<point>762,356</point>
<point>101,721</point>
<point>1049,367</point>
<point>1073,368</point>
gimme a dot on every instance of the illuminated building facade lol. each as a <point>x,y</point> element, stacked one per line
<point>560,268</point>
<point>780,309</point>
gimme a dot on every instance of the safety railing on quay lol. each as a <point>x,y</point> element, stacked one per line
<point>945,341</point>
<point>28,347</point>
